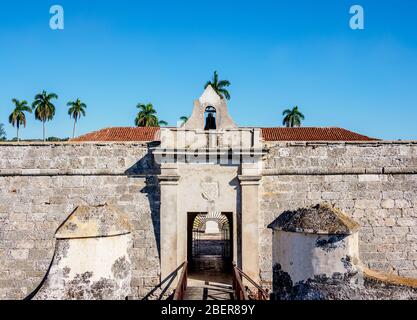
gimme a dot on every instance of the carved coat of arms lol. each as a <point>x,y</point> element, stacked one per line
<point>210,189</point>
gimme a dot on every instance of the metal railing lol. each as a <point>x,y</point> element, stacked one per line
<point>238,288</point>
<point>242,292</point>
<point>182,283</point>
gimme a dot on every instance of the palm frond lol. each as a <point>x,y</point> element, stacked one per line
<point>293,117</point>
<point>219,86</point>
<point>11,119</point>
<point>215,78</point>
<point>224,93</point>
<point>224,83</point>
<point>27,109</point>
<point>52,96</point>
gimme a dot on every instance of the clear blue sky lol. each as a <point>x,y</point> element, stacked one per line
<point>277,54</point>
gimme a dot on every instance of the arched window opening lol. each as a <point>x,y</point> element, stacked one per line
<point>210,116</point>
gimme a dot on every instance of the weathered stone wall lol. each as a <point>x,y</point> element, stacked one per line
<point>374,183</point>
<point>41,185</point>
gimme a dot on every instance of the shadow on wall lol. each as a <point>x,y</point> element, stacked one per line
<point>153,194</point>
<point>161,290</point>
<point>148,168</point>
<point>145,166</point>
<point>238,254</point>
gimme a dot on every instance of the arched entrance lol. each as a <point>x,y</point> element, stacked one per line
<point>210,243</point>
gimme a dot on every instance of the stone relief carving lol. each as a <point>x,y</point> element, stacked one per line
<point>210,189</point>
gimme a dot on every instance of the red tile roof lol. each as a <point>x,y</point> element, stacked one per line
<point>120,134</point>
<point>311,134</point>
<point>268,134</point>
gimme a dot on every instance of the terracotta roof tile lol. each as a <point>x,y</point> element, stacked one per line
<point>311,134</point>
<point>119,134</point>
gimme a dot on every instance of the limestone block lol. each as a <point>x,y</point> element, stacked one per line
<point>19,254</point>
<point>388,204</point>
<point>406,222</point>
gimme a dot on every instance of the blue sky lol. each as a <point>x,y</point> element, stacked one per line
<point>277,54</point>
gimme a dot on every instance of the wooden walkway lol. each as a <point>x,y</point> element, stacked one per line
<point>209,287</point>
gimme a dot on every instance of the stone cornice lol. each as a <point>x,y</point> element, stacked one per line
<point>265,172</point>
<point>169,179</point>
<point>249,180</point>
<point>69,172</point>
<point>71,143</point>
<point>339,171</point>
<point>271,144</point>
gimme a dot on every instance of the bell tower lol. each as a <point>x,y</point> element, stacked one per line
<point>210,113</point>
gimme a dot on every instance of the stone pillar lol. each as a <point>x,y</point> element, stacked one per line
<point>168,224</point>
<point>250,225</point>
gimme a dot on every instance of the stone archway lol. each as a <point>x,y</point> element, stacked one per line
<point>210,242</point>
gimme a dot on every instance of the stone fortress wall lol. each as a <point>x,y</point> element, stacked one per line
<point>41,184</point>
<point>374,183</point>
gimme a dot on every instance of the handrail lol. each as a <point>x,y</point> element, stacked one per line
<point>238,288</point>
<point>182,283</point>
<point>238,274</point>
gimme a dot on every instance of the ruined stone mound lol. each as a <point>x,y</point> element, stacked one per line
<point>319,219</point>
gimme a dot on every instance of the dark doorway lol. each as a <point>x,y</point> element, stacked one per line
<point>210,117</point>
<point>210,242</point>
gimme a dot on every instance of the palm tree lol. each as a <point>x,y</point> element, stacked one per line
<point>146,116</point>
<point>2,132</point>
<point>184,119</point>
<point>219,86</point>
<point>44,108</point>
<point>76,110</point>
<point>162,123</point>
<point>18,117</point>
<point>292,118</point>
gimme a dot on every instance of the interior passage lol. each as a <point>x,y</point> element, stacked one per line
<point>210,257</point>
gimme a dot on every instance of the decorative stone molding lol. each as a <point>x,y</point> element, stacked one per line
<point>250,180</point>
<point>338,171</point>
<point>169,179</point>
